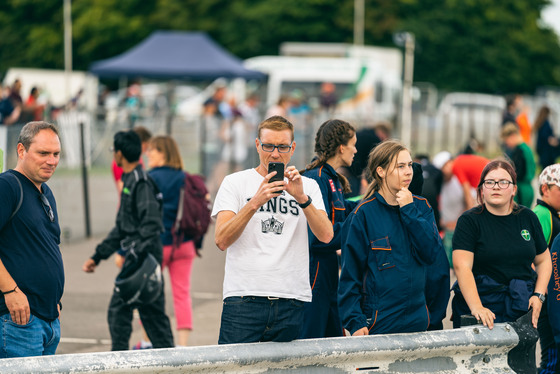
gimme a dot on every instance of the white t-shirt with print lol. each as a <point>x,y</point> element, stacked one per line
<point>271,257</point>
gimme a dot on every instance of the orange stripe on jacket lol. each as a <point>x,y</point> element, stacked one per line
<point>375,319</point>
<point>315,279</point>
<point>423,199</point>
<point>367,201</point>
<point>333,210</point>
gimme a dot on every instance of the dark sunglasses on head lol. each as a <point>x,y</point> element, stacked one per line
<point>47,207</point>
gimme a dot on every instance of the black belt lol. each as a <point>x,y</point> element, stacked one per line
<point>272,298</point>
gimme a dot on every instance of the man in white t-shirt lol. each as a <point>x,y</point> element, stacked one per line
<point>263,227</point>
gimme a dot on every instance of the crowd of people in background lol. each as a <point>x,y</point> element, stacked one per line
<point>365,236</point>
<point>16,108</point>
<point>471,193</point>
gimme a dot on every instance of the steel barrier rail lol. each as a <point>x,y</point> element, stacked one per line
<point>471,349</point>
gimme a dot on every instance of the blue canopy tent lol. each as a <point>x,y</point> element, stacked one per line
<point>175,55</point>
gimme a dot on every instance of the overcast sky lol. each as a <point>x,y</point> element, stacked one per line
<point>551,15</point>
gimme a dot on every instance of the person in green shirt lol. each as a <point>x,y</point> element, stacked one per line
<point>547,209</point>
<point>524,161</point>
<point>548,205</point>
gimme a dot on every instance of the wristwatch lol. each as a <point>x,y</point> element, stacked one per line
<point>539,295</point>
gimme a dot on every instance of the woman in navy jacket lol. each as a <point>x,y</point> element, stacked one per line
<point>335,146</point>
<point>387,243</point>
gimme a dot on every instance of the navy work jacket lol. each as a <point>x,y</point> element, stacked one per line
<point>385,253</point>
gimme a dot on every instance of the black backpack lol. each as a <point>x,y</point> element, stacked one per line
<point>193,212</point>
<point>20,198</point>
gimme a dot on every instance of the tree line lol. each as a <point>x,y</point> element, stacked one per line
<point>461,45</point>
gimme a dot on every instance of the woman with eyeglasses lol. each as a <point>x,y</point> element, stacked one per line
<point>335,146</point>
<point>494,246</point>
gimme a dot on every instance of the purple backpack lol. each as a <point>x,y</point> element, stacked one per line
<point>193,213</point>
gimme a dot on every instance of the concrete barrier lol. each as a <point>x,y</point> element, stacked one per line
<point>471,349</point>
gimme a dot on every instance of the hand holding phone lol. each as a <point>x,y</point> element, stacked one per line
<point>278,167</point>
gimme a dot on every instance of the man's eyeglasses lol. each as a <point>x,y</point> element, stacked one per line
<point>47,207</point>
<point>502,184</point>
<point>282,148</point>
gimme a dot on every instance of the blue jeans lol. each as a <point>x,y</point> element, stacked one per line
<point>249,319</point>
<point>36,338</point>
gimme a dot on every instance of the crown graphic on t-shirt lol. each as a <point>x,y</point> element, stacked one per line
<point>272,225</point>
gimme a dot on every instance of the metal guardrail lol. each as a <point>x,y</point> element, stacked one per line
<point>473,349</point>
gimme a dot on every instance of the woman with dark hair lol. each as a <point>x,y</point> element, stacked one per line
<point>335,146</point>
<point>547,143</point>
<point>166,166</point>
<point>494,246</point>
<point>388,241</point>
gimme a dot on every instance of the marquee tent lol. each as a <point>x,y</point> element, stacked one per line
<point>175,55</point>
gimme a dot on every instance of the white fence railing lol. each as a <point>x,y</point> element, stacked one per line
<point>473,349</point>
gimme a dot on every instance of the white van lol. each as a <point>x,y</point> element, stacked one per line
<point>367,79</point>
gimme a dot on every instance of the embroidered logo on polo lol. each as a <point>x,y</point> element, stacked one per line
<point>526,235</point>
<point>272,225</point>
<point>333,188</point>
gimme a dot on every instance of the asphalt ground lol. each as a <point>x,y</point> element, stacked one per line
<point>86,298</point>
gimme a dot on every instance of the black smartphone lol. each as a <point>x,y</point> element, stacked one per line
<point>278,167</point>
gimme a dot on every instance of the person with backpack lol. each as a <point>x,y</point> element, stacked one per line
<point>166,166</point>
<point>137,230</point>
<point>31,268</point>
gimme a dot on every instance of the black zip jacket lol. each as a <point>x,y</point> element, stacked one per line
<point>139,219</point>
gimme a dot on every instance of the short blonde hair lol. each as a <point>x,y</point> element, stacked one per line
<point>276,123</point>
<point>509,129</point>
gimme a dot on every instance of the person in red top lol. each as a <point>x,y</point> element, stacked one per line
<point>33,107</point>
<point>467,169</point>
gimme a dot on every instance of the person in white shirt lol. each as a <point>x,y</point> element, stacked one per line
<point>263,226</point>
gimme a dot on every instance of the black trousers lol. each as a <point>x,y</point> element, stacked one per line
<point>153,317</point>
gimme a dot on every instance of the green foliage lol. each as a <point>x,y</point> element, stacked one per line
<point>31,34</point>
<point>469,45</point>
<point>482,45</point>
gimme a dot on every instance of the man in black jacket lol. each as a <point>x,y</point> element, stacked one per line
<point>138,226</point>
